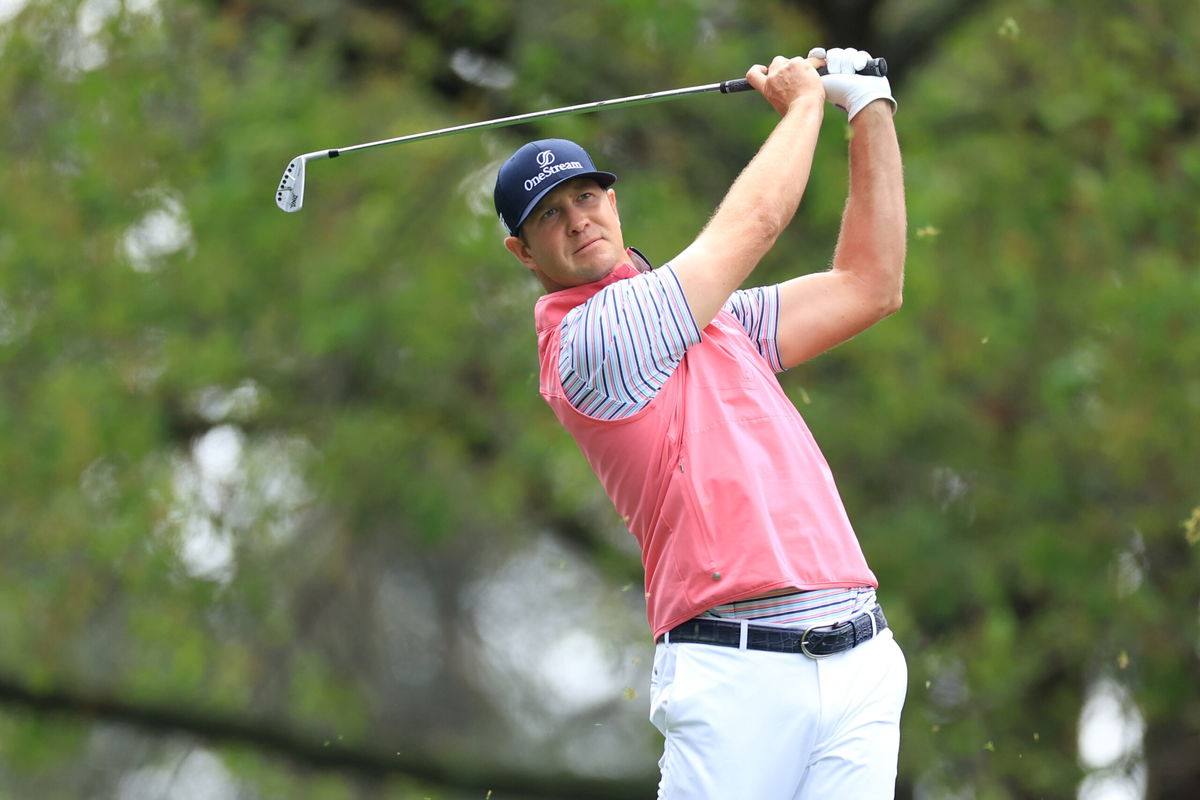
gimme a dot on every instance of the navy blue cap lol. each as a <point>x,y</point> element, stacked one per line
<point>534,170</point>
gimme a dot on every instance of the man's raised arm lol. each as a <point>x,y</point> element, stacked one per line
<point>821,310</point>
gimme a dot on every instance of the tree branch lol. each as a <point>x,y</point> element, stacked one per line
<point>312,753</point>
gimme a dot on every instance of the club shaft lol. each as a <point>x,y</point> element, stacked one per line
<point>877,66</point>
<point>290,194</point>
<point>735,85</point>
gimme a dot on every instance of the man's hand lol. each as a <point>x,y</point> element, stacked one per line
<point>845,89</point>
<point>787,80</point>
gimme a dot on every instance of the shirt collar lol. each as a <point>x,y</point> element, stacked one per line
<point>552,307</point>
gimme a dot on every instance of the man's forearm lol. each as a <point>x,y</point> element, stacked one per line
<point>873,237</point>
<point>767,192</point>
<point>755,210</point>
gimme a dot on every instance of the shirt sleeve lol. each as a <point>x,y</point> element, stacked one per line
<point>757,310</point>
<point>621,346</point>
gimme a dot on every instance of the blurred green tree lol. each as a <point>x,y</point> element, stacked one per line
<point>283,516</point>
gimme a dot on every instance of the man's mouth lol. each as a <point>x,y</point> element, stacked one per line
<point>588,244</point>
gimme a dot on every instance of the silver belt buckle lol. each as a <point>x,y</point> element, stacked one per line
<point>804,647</point>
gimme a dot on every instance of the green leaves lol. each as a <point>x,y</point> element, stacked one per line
<point>251,463</point>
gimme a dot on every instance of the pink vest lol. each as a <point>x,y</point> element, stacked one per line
<point>717,477</point>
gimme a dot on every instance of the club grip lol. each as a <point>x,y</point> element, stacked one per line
<point>735,85</point>
<point>876,66</point>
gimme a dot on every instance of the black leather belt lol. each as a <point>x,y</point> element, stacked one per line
<point>814,642</point>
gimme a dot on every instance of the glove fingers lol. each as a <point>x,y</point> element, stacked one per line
<point>845,60</point>
<point>840,60</point>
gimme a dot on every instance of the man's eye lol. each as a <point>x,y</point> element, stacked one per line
<point>549,212</point>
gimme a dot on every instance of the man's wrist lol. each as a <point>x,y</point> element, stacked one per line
<point>879,109</point>
<point>807,104</point>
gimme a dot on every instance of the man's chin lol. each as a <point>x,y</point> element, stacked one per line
<point>601,271</point>
<point>600,256</point>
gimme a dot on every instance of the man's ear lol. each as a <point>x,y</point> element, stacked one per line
<point>519,249</point>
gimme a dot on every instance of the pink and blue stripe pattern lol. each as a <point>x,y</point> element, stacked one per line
<point>619,348</point>
<point>800,609</point>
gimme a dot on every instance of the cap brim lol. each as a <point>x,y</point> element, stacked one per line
<point>605,179</point>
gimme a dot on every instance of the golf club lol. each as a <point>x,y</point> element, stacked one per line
<point>290,195</point>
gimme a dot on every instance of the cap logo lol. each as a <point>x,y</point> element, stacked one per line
<point>545,160</point>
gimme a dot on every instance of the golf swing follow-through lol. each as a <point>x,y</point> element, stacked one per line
<point>776,675</point>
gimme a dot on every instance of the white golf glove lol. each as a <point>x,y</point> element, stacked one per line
<point>846,89</point>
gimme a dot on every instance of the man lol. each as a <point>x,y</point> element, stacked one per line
<point>775,675</point>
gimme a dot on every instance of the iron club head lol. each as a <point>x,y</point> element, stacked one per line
<point>290,194</point>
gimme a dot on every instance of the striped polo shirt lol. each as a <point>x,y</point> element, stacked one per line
<point>618,350</point>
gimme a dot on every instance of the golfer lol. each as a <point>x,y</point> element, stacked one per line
<point>775,674</point>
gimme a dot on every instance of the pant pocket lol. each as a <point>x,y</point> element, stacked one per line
<point>661,678</point>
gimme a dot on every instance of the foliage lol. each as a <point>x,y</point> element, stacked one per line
<point>283,515</point>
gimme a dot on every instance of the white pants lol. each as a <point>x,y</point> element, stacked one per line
<point>755,725</point>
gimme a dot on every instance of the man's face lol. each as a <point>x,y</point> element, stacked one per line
<point>572,237</point>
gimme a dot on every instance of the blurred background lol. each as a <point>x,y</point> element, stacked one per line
<point>283,516</point>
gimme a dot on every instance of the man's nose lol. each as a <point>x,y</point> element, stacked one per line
<point>576,219</point>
